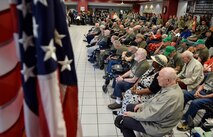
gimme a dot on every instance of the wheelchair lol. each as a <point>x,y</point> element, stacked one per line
<point>117,69</point>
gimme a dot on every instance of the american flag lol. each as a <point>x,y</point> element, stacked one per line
<point>48,71</point>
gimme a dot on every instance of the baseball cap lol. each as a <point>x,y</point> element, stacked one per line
<point>169,50</point>
<point>167,39</point>
<point>184,41</point>
<point>199,41</point>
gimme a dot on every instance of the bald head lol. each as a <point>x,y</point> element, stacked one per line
<point>107,32</point>
<point>167,77</point>
<point>96,24</point>
<point>132,49</point>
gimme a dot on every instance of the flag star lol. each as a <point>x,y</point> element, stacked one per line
<point>49,51</point>
<point>58,38</point>
<point>35,28</point>
<point>44,2</point>
<point>27,72</point>
<point>24,7</point>
<point>65,64</point>
<point>26,41</point>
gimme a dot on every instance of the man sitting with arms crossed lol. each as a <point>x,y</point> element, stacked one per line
<point>160,114</point>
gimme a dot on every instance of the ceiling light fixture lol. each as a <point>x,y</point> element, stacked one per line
<point>122,2</point>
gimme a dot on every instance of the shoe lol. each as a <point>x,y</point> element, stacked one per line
<point>104,88</point>
<point>183,127</point>
<point>91,60</point>
<point>89,46</point>
<point>114,105</point>
<point>104,77</point>
<point>115,112</point>
<point>101,67</point>
<point>84,40</point>
<point>112,96</point>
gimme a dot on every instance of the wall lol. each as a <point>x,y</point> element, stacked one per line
<point>115,8</point>
<point>182,5</point>
<point>151,8</point>
<point>4,5</point>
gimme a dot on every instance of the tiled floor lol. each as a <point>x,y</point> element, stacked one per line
<point>97,120</point>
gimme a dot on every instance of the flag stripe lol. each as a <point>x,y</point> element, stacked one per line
<point>31,123</point>
<point>70,107</point>
<point>50,97</point>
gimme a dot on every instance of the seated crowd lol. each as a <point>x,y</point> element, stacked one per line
<point>155,70</point>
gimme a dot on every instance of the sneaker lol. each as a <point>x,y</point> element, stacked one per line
<point>115,112</point>
<point>114,105</point>
<point>88,46</point>
<point>183,127</point>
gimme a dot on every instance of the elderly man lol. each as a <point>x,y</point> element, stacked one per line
<point>93,32</point>
<point>202,52</point>
<point>183,46</point>
<point>115,59</point>
<point>192,73</point>
<point>139,41</point>
<point>100,43</point>
<point>175,60</point>
<point>128,79</point>
<point>160,114</point>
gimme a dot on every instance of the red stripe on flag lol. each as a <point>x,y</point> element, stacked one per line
<point>70,109</point>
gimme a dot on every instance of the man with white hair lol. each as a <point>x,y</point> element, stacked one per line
<point>102,43</point>
<point>192,72</point>
<point>128,79</point>
<point>95,31</point>
<point>160,114</point>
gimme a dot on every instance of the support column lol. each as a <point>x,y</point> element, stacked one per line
<point>136,8</point>
<point>169,8</point>
<point>82,5</point>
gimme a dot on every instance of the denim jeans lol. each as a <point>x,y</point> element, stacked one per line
<point>110,64</point>
<point>120,87</point>
<point>196,104</point>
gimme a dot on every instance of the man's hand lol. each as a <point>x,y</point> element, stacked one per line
<point>136,107</point>
<point>197,94</point>
<point>133,91</point>
<point>119,78</point>
<point>126,113</point>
